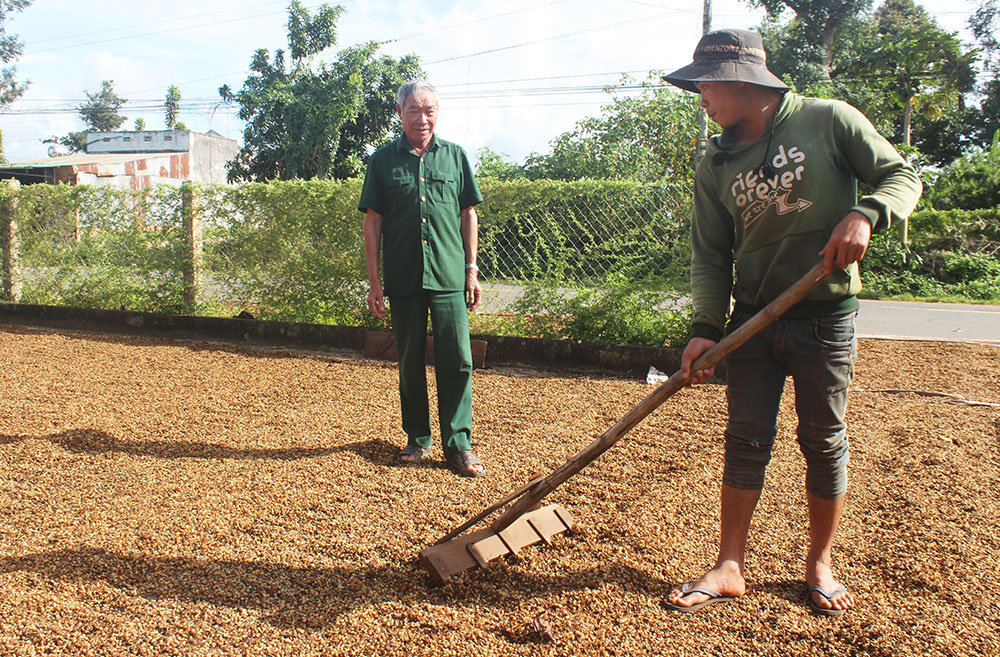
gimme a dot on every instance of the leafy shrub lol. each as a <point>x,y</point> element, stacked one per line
<point>970,182</point>
<point>951,255</point>
<point>619,311</point>
<point>102,247</point>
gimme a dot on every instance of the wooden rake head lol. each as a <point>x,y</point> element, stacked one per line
<point>477,549</point>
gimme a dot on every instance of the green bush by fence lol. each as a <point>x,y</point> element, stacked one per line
<point>586,260</point>
<point>951,255</point>
<point>293,250</point>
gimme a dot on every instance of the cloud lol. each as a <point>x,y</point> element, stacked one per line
<point>562,47</point>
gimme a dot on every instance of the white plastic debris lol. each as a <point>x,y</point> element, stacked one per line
<point>655,376</point>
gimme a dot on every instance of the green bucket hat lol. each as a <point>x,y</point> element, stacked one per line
<point>727,56</point>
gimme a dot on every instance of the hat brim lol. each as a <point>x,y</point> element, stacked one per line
<point>686,77</point>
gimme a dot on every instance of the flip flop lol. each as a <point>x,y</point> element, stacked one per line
<point>415,452</point>
<point>461,463</point>
<point>687,589</point>
<point>823,611</point>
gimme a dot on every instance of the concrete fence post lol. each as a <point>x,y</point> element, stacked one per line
<point>193,244</point>
<point>10,267</point>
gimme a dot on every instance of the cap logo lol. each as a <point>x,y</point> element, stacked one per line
<point>728,48</point>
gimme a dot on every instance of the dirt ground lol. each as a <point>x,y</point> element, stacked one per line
<point>181,498</point>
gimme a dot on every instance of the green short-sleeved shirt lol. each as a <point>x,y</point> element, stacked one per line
<point>420,199</point>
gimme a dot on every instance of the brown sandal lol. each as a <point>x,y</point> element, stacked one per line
<point>463,463</point>
<point>411,455</point>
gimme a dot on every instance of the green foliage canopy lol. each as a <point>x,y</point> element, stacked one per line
<point>646,137</point>
<point>984,121</point>
<point>99,113</point>
<point>897,65</point>
<point>922,65</point>
<point>306,120</point>
<point>970,182</point>
<point>10,49</point>
<point>817,23</point>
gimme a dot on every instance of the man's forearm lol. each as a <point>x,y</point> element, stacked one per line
<point>373,244</point>
<point>470,234</point>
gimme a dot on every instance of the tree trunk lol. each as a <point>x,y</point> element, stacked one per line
<point>907,114</point>
<point>829,34</point>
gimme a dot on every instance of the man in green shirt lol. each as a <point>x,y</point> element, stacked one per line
<point>775,193</point>
<point>419,199</point>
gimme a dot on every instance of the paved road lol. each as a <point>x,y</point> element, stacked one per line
<point>877,319</point>
<point>929,321</point>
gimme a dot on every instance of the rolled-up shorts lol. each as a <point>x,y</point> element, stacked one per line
<point>819,354</point>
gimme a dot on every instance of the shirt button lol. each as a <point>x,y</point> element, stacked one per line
<point>424,220</point>
<point>423,198</point>
<point>426,242</point>
<point>422,179</point>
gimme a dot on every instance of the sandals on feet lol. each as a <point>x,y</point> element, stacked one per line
<point>411,455</point>
<point>687,588</point>
<point>464,464</point>
<point>824,611</point>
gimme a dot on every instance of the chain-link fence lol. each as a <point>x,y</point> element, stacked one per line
<point>294,250</point>
<point>570,236</point>
<point>94,247</point>
<point>584,259</point>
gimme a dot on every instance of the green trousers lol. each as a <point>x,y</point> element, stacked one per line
<point>452,367</point>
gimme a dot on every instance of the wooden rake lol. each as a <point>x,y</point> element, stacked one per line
<point>525,523</point>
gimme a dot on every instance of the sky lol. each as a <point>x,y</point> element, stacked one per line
<point>511,75</point>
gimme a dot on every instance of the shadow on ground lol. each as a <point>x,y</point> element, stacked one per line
<point>312,597</point>
<point>95,441</point>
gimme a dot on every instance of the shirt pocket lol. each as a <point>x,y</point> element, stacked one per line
<point>442,187</point>
<point>401,191</point>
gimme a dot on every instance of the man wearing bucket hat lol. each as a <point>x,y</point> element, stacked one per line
<point>775,192</point>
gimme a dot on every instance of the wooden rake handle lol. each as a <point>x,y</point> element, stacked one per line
<point>530,498</point>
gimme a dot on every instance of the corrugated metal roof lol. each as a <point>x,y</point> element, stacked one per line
<point>77,159</point>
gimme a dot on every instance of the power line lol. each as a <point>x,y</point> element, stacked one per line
<point>145,34</point>
<point>201,104</point>
<point>157,22</point>
<point>472,22</point>
<point>552,38</point>
<point>156,32</point>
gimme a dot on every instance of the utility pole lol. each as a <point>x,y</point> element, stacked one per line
<point>706,26</point>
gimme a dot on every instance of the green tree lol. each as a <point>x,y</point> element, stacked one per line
<point>645,137</point>
<point>984,23</point>
<point>140,124</point>
<point>10,49</point>
<point>490,164</point>
<point>307,120</point>
<point>818,24</point>
<point>99,113</point>
<point>895,64</point>
<point>971,182</point>
<point>171,107</point>
<point>924,65</point>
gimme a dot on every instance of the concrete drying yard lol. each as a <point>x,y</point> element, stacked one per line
<point>181,498</point>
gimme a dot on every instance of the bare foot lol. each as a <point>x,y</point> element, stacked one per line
<point>819,573</point>
<point>725,579</point>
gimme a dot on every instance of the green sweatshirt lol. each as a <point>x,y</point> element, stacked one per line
<point>771,228</point>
